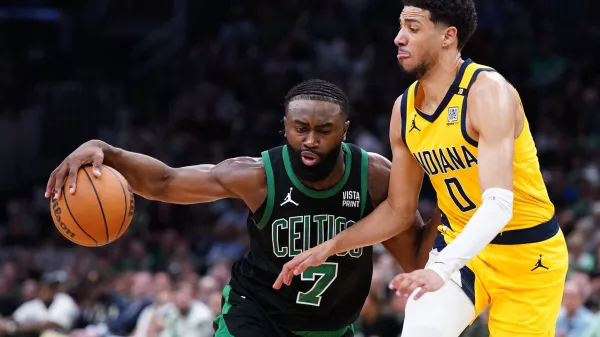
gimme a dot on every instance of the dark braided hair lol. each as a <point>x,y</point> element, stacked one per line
<point>319,90</point>
<point>456,13</point>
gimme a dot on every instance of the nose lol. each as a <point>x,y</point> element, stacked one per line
<point>400,40</point>
<point>311,141</point>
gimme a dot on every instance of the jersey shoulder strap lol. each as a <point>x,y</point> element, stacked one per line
<point>407,102</point>
<point>360,163</point>
<point>268,164</point>
<point>470,75</point>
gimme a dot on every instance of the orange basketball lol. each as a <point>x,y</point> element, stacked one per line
<point>100,210</point>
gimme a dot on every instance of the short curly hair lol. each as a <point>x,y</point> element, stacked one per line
<point>457,13</point>
<point>319,90</point>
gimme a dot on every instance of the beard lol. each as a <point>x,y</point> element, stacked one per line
<point>423,67</point>
<point>320,170</point>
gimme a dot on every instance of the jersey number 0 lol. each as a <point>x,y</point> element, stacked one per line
<point>464,205</point>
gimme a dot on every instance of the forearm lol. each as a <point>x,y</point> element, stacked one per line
<point>382,224</point>
<point>489,219</point>
<point>428,235</point>
<point>146,175</point>
<point>404,246</point>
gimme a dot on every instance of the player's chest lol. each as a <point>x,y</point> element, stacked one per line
<point>440,146</point>
<point>291,204</point>
<point>345,200</point>
<point>299,222</point>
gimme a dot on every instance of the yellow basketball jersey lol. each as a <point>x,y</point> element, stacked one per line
<point>441,145</point>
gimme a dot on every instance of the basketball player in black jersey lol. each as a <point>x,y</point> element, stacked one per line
<point>299,195</point>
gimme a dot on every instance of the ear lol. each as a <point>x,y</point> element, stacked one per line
<point>346,127</point>
<point>284,120</point>
<point>449,37</point>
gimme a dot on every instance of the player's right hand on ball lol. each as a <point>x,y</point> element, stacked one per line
<point>89,152</point>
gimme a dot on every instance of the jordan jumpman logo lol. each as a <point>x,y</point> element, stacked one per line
<point>414,125</point>
<point>539,265</point>
<point>288,198</point>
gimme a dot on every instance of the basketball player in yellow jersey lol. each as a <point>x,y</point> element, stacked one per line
<point>464,126</point>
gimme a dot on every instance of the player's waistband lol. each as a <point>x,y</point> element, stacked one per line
<point>539,233</point>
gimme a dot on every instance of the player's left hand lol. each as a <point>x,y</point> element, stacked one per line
<point>312,257</point>
<point>419,282</point>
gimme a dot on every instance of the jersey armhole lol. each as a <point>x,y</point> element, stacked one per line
<point>403,115</point>
<point>364,181</point>
<point>270,191</point>
<point>463,113</point>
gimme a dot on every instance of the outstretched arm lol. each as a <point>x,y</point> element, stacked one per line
<point>406,247</point>
<point>154,180</point>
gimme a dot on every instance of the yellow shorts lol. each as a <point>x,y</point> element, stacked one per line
<point>521,276</point>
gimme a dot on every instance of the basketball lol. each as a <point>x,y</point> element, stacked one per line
<point>99,211</point>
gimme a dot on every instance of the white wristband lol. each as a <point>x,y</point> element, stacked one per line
<point>489,220</point>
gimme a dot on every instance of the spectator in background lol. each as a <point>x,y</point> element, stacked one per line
<point>141,296</point>
<point>207,286</point>
<point>219,97</point>
<point>479,328</point>
<point>123,310</point>
<point>186,316</point>
<point>373,322</point>
<point>151,320</point>
<point>51,311</point>
<point>574,319</point>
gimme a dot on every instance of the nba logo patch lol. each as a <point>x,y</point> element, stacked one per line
<point>452,114</point>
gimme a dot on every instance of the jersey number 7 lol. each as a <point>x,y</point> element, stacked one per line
<point>324,275</point>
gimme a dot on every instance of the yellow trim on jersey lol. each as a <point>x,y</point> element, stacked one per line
<point>441,145</point>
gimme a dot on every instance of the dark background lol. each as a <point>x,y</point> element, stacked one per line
<point>194,82</point>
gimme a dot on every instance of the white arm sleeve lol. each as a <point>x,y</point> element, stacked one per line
<point>489,220</point>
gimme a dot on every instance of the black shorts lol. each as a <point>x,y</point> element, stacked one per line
<point>242,317</point>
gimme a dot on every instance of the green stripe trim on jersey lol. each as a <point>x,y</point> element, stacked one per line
<point>364,180</point>
<point>270,190</point>
<point>314,193</point>
<point>338,333</point>
<point>222,330</point>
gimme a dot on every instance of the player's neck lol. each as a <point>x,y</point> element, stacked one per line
<point>333,178</point>
<point>436,82</point>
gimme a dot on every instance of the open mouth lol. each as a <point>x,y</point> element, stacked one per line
<point>309,158</point>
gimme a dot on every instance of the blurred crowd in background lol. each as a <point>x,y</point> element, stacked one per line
<point>193,82</point>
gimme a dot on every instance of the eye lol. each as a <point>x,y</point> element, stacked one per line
<point>413,30</point>
<point>325,132</point>
<point>301,129</point>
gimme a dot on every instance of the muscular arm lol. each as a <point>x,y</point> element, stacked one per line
<point>428,236</point>
<point>396,214</point>
<point>242,178</point>
<point>404,246</point>
<point>493,114</point>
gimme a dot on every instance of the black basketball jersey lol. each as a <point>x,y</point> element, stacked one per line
<point>293,219</point>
